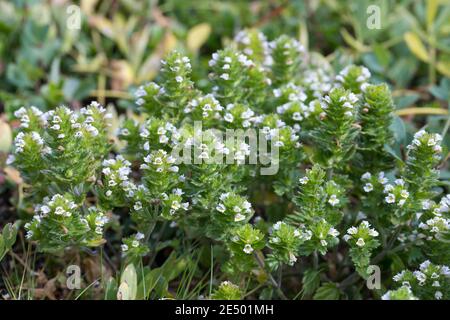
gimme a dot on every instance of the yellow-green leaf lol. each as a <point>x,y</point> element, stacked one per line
<point>352,42</point>
<point>197,36</point>
<point>124,292</point>
<point>432,7</point>
<point>443,67</point>
<point>128,284</point>
<point>416,46</point>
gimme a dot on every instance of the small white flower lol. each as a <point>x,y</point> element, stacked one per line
<point>304,180</point>
<point>360,242</point>
<point>124,248</point>
<point>277,225</point>
<point>390,198</point>
<point>228,117</point>
<point>366,176</point>
<point>137,206</point>
<point>239,217</point>
<point>139,236</point>
<point>248,249</point>
<point>368,187</point>
<point>333,200</point>
<point>333,232</point>
<point>292,258</point>
<point>220,207</point>
<point>179,79</point>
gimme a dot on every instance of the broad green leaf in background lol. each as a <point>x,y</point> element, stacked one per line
<point>432,7</point>
<point>197,36</point>
<point>416,46</point>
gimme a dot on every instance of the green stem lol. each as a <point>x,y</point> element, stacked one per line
<point>271,279</point>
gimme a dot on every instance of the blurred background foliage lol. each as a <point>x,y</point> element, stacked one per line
<point>120,42</point>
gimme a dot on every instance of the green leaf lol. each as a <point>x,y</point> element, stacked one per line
<point>311,281</point>
<point>432,7</point>
<point>2,248</point>
<point>10,234</point>
<point>328,291</point>
<point>443,66</point>
<point>111,289</point>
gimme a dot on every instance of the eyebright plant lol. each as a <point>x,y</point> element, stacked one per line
<point>340,201</point>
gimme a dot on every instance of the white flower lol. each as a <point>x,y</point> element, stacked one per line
<point>225,76</point>
<point>239,217</point>
<point>360,242</point>
<point>323,243</point>
<point>333,200</point>
<point>366,176</point>
<point>137,206</point>
<point>45,209</point>
<point>438,295</point>
<point>352,230</point>
<point>135,243</point>
<point>248,249</point>
<point>292,258</point>
<point>277,225</point>
<point>390,198</point>
<point>124,247</point>
<point>139,236</point>
<point>368,187</point>
<point>179,79</point>
<point>228,117</point>
<point>304,180</point>
<point>333,232</point>
<point>420,276</point>
<point>220,207</point>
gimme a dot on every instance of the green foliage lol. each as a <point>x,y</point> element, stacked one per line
<point>174,183</point>
<point>227,291</point>
<point>8,238</point>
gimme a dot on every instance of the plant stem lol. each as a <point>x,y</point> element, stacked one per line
<point>272,281</point>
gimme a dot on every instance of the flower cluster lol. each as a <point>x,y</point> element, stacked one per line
<point>285,242</point>
<point>134,246</point>
<point>245,241</point>
<point>61,148</point>
<point>227,291</point>
<point>430,281</point>
<point>117,187</point>
<point>59,223</point>
<point>362,241</point>
<point>336,135</point>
